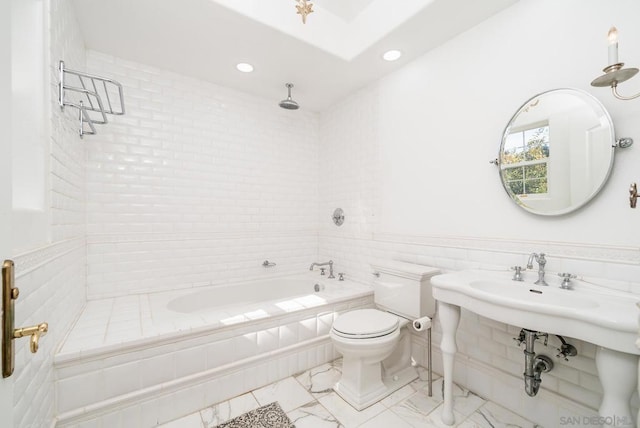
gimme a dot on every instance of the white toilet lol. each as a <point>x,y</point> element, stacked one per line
<point>375,343</point>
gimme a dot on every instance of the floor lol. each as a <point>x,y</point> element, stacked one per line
<point>310,402</point>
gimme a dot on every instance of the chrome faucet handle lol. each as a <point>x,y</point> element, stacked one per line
<point>566,280</point>
<point>340,276</point>
<point>322,271</point>
<point>541,260</point>
<point>517,275</point>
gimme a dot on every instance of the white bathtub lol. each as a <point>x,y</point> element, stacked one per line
<point>284,289</point>
<point>195,347</point>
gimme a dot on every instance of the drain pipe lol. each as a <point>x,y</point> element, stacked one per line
<point>534,365</point>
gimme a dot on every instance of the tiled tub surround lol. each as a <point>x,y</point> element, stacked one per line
<point>132,360</point>
<point>196,185</point>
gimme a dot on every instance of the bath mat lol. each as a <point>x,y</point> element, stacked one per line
<point>269,416</point>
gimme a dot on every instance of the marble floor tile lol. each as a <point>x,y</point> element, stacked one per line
<point>222,412</point>
<point>319,381</point>
<point>289,393</point>
<point>422,411</point>
<point>492,415</point>
<point>398,396</point>
<point>313,415</point>
<point>417,406</point>
<point>310,402</point>
<point>347,415</point>
<point>386,419</point>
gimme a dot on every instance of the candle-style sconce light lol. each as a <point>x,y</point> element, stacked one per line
<point>615,72</point>
<point>633,195</point>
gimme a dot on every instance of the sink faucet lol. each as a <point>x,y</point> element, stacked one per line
<point>539,258</point>
<point>330,263</point>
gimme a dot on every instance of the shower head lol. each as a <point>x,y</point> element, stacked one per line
<point>289,104</point>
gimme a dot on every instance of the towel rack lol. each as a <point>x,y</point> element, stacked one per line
<point>92,90</point>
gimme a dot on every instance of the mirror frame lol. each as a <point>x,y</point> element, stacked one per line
<point>598,109</point>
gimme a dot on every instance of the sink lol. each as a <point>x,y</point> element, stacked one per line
<point>535,295</point>
<point>598,316</point>
<point>603,317</point>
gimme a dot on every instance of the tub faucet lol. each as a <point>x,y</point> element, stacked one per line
<point>330,263</point>
<point>539,258</point>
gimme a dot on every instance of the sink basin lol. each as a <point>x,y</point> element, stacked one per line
<point>595,315</point>
<point>603,317</point>
<point>535,295</point>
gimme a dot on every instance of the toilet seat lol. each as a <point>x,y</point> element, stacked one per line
<point>365,324</point>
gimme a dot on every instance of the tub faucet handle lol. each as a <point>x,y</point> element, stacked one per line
<point>322,271</point>
<point>340,276</point>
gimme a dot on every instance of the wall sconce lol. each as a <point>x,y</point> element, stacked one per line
<point>633,195</point>
<point>614,73</point>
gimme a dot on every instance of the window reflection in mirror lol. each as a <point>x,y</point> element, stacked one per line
<point>524,159</point>
<point>556,152</point>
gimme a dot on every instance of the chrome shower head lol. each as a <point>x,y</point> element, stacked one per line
<point>289,104</point>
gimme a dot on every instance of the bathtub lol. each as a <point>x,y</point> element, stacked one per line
<point>195,347</point>
<point>284,289</point>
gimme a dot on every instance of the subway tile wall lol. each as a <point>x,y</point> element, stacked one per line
<point>52,279</point>
<point>196,185</point>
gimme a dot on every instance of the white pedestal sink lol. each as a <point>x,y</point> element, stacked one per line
<point>606,319</point>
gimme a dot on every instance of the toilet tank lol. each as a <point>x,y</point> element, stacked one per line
<point>404,288</point>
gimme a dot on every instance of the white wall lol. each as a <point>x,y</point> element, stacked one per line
<point>408,160</point>
<point>445,113</point>
<point>196,185</point>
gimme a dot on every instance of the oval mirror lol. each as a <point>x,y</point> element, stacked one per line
<point>557,152</point>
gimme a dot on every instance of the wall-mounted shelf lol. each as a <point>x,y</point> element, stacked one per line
<point>91,91</point>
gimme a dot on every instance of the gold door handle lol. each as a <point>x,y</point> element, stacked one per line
<point>9,295</point>
<point>35,332</point>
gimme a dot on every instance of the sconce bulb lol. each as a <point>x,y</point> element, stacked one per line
<point>612,35</point>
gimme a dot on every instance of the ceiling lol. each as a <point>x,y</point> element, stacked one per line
<point>335,53</point>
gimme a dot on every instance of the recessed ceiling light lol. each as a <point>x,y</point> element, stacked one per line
<point>392,55</point>
<point>244,67</point>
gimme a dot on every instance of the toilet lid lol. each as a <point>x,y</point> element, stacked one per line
<point>365,323</point>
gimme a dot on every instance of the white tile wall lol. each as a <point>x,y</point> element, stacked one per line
<point>52,279</point>
<point>196,184</point>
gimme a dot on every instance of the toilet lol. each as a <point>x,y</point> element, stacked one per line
<point>376,343</point>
